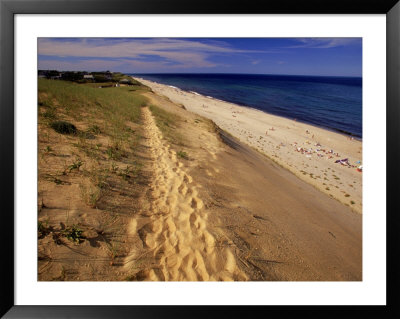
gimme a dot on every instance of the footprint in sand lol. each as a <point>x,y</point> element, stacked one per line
<point>182,247</point>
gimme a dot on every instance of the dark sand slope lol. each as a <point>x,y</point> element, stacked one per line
<point>286,229</point>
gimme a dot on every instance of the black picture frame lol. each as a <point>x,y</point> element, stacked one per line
<point>9,8</point>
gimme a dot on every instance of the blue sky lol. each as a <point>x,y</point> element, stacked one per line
<point>297,56</point>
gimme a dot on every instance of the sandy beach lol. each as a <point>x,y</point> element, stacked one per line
<point>311,153</point>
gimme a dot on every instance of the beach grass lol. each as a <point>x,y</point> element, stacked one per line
<point>103,126</point>
<point>168,123</point>
<point>119,103</point>
<point>90,150</point>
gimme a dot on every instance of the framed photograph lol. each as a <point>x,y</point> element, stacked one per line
<point>160,155</point>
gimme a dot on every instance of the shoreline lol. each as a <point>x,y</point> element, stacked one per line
<point>337,131</point>
<point>308,151</point>
<point>332,129</point>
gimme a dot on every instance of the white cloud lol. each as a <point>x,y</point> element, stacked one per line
<point>325,43</point>
<point>153,55</point>
<point>181,53</point>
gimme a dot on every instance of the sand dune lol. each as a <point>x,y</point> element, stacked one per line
<point>223,212</point>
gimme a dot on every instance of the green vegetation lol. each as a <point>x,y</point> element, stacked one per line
<point>117,103</point>
<point>95,129</point>
<point>43,228</point>
<point>130,171</point>
<point>104,111</point>
<point>73,233</point>
<point>63,127</point>
<point>168,122</point>
<point>90,138</point>
<point>91,194</point>
<point>183,155</point>
<point>49,114</point>
<point>58,181</point>
<point>75,165</point>
<point>116,150</point>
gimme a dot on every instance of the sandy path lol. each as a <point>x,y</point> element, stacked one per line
<point>176,229</point>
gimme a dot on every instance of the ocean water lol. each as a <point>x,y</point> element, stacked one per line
<point>334,103</point>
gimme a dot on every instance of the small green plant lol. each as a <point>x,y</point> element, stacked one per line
<point>75,165</point>
<point>352,202</point>
<point>115,151</point>
<point>183,155</point>
<point>41,229</point>
<point>91,194</point>
<point>113,247</point>
<point>110,152</point>
<point>49,114</point>
<point>63,127</point>
<point>98,177</point>
<point>129,171</point>
<point>86,136</point>
<point>125,173</point>
<point>95,129</point>
<point>73,233</point>
<point>113,168</point>
<point>48,149</point>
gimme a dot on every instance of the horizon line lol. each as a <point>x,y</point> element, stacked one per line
<point>283,74</point>
<point>149,73</point>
